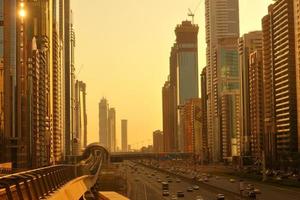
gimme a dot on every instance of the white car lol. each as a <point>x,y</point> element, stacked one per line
<point>232,180</point>
<point>195,187</point>
<point>220,197</point>
<point>199,198</point>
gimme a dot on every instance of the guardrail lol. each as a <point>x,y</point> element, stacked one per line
<point>48,182</point>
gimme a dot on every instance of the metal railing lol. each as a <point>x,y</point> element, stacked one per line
<point>43,183</point>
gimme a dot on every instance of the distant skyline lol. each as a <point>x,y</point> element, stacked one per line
<point>122,53</point>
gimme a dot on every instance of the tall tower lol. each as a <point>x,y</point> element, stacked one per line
<point>112,129</point>
<point>279,58</point>
<point>222,21</point>
<point>187,71</point>
<point>103,123</point>
<point>124,135</point>
<point>2,141</point>
<point>248,43</point>
<point>297,40</point>
<point>68,47</point>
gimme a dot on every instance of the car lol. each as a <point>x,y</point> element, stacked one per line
<point>200,179</point>
<point>165,193</point>
<point>180,194</point>
<point>158,180</point>
<point>170,180</point>
<point>220,197</point>
<point>173,197</point>
<point>251,186</point>
<point>189,189</point>
<point>195,187</point>
<point>205,179</point>
<point>257,191</point>
<point>199,198</point>
<point>232,180</point>
<point>178,180</point>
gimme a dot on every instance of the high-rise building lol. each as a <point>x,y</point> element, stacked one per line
<point>112,129</point>
<point>124,135</point>
<point>11,60</point>
<point>187,71</point>
<point>222,21</point>
<point>256,97</point>
<point>279,59</point>
<point>69,73</point>
<point>103,122</point>
<point>169,121</point>
<point>2,141</point>
<point>80,121</point>
<point>158,141</point>
<point>248,43</point>
<point>57,95</point>
<point>169,99</point>
<point>297,41</point>
<point>228,85</point>
<point>182,84</point>
<point>268,82</point>
<point>204,137</point>
<point>187,61</point>
<point>192,126</point>
<point>30,64</point>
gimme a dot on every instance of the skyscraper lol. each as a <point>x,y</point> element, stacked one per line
<point>256,111</point>
<point>169,104</point>
<point>228,84</point>
<point>279,58</point>
<point>169,121</point>
<point>182,84</point>
<point>67,30</point>
<point>112,129</point>
<point>187,61</point>
<point>30,63</point>
<point>10,64</point>
<point>222,21</point>
<point>204,137</point>
<point>103,123</point>
<point>80,116</point>
<point>187,71</point>
<point>2,141</point>
<point>248,43</point>
<point>192,126</point>
<point>124,135</point>
<point>158,141</point>
<point>297,41</point>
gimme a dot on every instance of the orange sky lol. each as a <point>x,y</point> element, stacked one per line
<point>122,53</point>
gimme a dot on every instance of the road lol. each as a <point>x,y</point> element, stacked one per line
<point>143,186</point>
<point>267,191</point>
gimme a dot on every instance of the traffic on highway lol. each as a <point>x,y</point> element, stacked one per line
<point>151,183</point>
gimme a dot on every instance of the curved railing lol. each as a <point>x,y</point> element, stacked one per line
<point>57,181</point>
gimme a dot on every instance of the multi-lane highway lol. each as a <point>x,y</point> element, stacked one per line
<point>143,184</point>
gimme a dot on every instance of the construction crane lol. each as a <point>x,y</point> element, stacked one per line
<point>192,14</point>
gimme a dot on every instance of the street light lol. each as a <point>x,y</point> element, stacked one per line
<point>22,12</point>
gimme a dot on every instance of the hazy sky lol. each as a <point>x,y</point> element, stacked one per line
<point>122,53</point>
